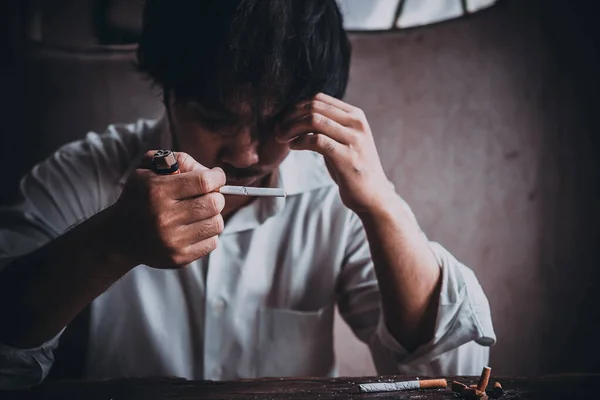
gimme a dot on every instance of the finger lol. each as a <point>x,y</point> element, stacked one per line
<point>185,161</point>
<point>202,230</point>
<point>320,143</point>
<point>195,183</point>
<point>315,123</point>
<point>336,102</point>
<point>191,184</point>
<point>316,106</point>
<point>201,249</point>
<point>200,208</point>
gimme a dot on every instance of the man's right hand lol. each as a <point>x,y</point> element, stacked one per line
<point>168,221</point>
<point>161,221</point>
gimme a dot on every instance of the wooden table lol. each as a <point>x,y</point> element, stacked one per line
<point>547,388</point>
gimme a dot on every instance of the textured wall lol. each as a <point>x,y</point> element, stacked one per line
<point>486,127</point>
<point>485,124</point>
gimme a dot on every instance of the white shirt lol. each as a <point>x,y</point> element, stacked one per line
<point>260,305</point>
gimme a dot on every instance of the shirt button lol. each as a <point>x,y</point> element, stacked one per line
<point>218,306</point>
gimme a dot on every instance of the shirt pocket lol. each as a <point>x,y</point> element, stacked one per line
<point>295,343</point>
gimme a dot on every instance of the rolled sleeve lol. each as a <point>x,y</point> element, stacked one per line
<point>463,330</point>
<point>25,368</point>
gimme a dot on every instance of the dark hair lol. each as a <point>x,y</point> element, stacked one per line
<point>283,51</point>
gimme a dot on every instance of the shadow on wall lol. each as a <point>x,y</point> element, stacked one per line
<point>485,124</point>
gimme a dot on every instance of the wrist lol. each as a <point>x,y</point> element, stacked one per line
<point>111,245</point>
<point>384,207</point>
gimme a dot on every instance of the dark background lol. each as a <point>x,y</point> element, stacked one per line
<point>487,125</point>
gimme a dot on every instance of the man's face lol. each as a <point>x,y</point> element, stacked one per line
<point>243,147</point>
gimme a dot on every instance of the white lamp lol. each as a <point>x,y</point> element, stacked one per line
<point>383,15</point>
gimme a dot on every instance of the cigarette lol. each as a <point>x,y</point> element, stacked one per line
<point>404,385</point>
<point>484,379</point>
<point>252,191</point>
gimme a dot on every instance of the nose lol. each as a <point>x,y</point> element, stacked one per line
<point>242,150</point>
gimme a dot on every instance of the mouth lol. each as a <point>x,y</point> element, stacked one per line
<point>243,177</point>
<point>245,181</point>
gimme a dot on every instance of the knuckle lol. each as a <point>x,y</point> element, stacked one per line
<point>179,259</point>
<point>208,203</point>
<point>322,143</point>
<point>216,202</point>
<point>316,119</point>
<point>326,107</point>
<point>212,243</point>
<point>329,147</point>
<point>211,204</point>
<point>165,241</point>
<point>162,223</point>
<point>362,124</point>
<point>316,105</point>
<point>218,223</point>
<point>204,182</point>
<point>358,112</point>
<point>220,175</point>
<point>310,105</point>
<point>208,245</point>
<point>171,249</point>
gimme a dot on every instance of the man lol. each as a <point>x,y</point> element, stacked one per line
<point>180,280</point>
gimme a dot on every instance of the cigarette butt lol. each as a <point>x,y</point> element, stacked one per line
<point>474,394</point>
<point>433,384</point>
<point>458,387</point>
<point>484,379</point>
<point>496,392</point>
<point>403,385</point>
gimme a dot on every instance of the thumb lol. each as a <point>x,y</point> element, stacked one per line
<point>185,161</point>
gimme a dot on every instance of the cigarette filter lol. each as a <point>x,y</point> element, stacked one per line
<point>484,379</point>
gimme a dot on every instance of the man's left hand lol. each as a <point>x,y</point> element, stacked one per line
<point>341,133</point>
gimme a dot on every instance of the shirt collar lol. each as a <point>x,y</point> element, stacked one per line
<point>303,171</point>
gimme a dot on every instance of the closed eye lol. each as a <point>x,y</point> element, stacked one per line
<point>220,127</point>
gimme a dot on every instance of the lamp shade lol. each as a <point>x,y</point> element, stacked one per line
<point>383,15</point>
